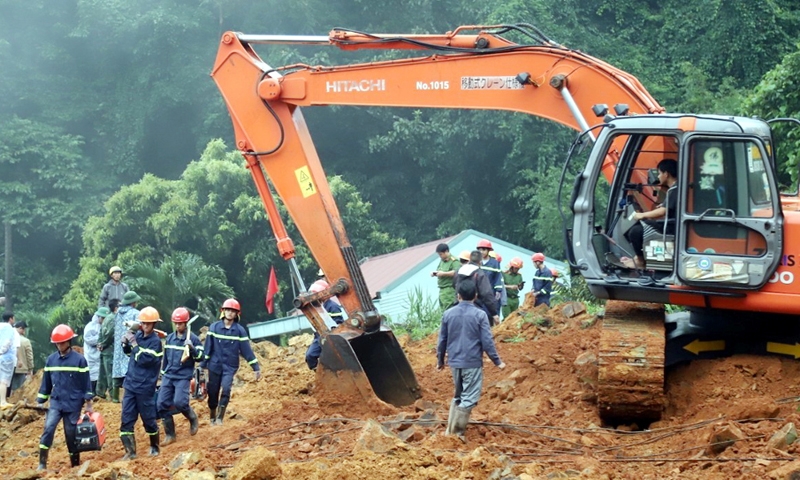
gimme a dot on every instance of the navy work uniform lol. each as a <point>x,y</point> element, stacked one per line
<point>222,349</point>
<point>140,388</point>
<point>176,376</point>
<point>542,286</point>
<point>315,349</point>
<point>67,385</point>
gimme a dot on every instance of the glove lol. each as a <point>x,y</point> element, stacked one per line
<point>129,337</point>
<point>188,340</point>
<point>258,375</point>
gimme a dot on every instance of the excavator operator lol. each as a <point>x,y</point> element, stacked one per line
<point>335,312</point>
<point>648,223</point>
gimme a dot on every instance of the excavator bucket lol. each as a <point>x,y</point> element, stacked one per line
<point>367,365</point>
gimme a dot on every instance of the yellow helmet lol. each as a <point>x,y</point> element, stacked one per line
<point>464,255</point>
<point>149,315</point>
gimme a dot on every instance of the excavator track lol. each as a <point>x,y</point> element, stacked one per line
<point>631,362</point>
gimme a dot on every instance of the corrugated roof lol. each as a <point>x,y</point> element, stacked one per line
<point>384,269</point>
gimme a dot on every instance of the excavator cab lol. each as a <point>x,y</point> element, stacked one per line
<point>727,230</point>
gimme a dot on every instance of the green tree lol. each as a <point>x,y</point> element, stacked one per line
<point>180,279</point>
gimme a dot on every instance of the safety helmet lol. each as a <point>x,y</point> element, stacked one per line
<point>498,257</point>
<point>464,255</point>
<point>114,269</point>
<point>318,286</point>
<point>538,257</point>
<point>320,273</point>
<point>483,243</point>
<point>515,262</point>
<point>62,333</point>
<point>180,315</point>
<point>232,304</point>
<point>555,273</point>
<point>149,315</point>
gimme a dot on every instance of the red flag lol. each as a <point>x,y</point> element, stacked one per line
<point>272,289</point>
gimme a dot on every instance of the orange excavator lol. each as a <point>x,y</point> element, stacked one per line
<point>720,249</point>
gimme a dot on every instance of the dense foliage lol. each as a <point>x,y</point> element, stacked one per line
<point>108,121</point>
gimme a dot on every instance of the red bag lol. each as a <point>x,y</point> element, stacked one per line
<point>90,432</point>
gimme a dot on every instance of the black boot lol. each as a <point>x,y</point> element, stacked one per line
<point>154,450</point>
<point>221,413</point>
<point>193,425</point>
<point>129,442</point>
<point>213,415</point>
<point>169,429</point>
<point>74,459</point>
<point>115,394</point>
<point>43,459</point>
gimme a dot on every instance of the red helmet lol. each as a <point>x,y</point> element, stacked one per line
<point>555,273</point>
<point>498,257</point>
<point>180,315</point>
<point>318,286</point>
<point>483,243</point>
<point>538,257</point>
<point>515,262</point>
<point>62,333</point>
<point>231,303</point>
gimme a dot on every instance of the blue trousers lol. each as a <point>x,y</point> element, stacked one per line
<point>217,381</point>
<point>70,420</point>
<point>173,396</point>
<point>313,353</point>
<point>540,299</point>
<point>135,405</point>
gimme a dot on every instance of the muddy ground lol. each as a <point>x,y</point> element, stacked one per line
<point>536,419</point>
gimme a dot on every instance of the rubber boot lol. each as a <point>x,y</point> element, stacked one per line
<point>450,417</point>
<point>213,416</point>
<point>221,413</point>
<point>43,459</point>
<point>129,442</point>
<point>154,450</point>
<point>169,430</point>
<point>193,424</point>
<point>75,459</point>
<point>460,422</point>
<point>115,394</point>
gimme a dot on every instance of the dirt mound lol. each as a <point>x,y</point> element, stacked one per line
<point>536,419</point>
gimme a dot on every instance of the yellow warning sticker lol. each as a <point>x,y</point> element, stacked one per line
<point>307,186</point>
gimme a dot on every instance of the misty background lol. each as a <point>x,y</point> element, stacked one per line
<point>116,147</point>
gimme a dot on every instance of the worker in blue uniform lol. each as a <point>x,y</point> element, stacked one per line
<point>181,350</point>
<point>334,311</point>
<point>542,281</point>
<point>226,340</point>
<point>145,352</point>
<point>67,385</point>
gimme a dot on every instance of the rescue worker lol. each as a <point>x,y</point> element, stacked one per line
<point>335,312</point>
<point>127,313</point>
<point>542,281</point>
<point>145,352</point>
<point>225,341</point>
<point>105,383</point>
<point>176,375</point>
<point>486,297</point>
<point>444,273</point>
<point>463,338</point>
<point>114,289</point>
<point>514,284</point>
<point>491,266</point>
<point>66,384</point>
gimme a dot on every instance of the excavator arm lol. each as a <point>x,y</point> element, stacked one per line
<point>466,70</point>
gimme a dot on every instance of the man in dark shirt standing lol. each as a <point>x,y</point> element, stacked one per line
<point>464,337</point>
